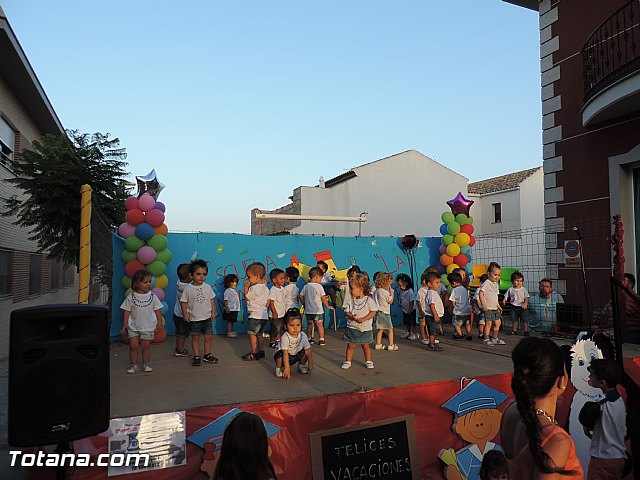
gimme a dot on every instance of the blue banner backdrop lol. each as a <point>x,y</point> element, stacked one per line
<point>231,253</point>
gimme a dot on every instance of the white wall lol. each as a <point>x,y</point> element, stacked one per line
<point>532,201</point>
<point>403,194</point>
<point>483,214</point>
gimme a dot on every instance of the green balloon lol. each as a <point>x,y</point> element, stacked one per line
<point>158,243</point>
<point>447,239</point>
<point>461,218</point>
<point>128,292</point>
<point>127,256</point>
<point>157,268</point>
<point>453,228</point>
<point>444,280</point>
<point>469,220</point>
<point>133,243</point>
<point>126,280</point>
<point>447,217</point>
<point>164,256</point>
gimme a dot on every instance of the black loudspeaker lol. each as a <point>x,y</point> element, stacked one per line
<point>58,374</point>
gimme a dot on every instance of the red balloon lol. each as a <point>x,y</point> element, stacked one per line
<point>467,228</point>
<point>131,203</point>
<point>135,216</point>
<point>461,260</point>
<point>154,217</point>
<point>132,267</point>
<point>472,240</point>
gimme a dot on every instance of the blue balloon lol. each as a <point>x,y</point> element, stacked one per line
<point>144,231</point>
<point>468,268</point>
<point>443,229</point>
<point>165,308</point>
<point>466,250</point>
<point>153,281</point>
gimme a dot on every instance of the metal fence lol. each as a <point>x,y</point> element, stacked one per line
<point>101,258</point>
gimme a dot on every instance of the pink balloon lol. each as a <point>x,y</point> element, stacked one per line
<point>146,254</point>
<point>158,292</point>
<point>155,218</point>
<point>125,230</point>
<point>160,206</point>
<point>146,202</point>
<point>442,249</point>
<point>131,203</point>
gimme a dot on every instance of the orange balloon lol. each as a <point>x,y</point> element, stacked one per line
<point>446,259</point>
<point>161,230</point>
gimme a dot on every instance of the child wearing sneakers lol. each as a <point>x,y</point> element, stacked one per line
<point>383,296</point>
<point>199,309</point>
<point>291,290</point>
<point>231,303</point>
<point>518,297</point>
<point>461,310</point>
<point>257,295</point>
<point>359,310</point>
<point>476,308</point>
<point>490,305</point>
<point>407,303</point>
<point>313,298</point>
<point>182,328</point>
<point>277,305</point>
<point>442,291</point>
<point>421,308</point>
<point>293,347</point>
<point>432,307</point>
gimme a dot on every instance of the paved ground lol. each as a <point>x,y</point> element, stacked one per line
<point>176,385</point>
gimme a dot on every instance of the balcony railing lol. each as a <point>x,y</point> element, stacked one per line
<point>612,51</point>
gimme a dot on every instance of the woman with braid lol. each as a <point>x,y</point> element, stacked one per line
<point>535,446</point>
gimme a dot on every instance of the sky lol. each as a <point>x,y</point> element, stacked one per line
<point>235,103</point>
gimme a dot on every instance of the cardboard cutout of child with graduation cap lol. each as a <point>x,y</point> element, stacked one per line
<point>476,421</point>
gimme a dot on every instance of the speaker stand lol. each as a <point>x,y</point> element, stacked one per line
<point>61,469</point>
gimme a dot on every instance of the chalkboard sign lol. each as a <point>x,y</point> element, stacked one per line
<point>384,449</point>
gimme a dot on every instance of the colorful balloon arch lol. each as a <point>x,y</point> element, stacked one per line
<point>145,244</point>
<point>457,237</point>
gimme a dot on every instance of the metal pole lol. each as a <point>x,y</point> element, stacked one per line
<point>617,326</point>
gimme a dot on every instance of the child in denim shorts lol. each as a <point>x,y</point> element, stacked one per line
<point>257,295</point>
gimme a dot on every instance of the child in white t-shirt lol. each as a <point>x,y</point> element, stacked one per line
<point>257,296</point>
<point>518,297</point>
<point>407,303</point>
<point>231,303</point>
<point>291,291</point>
<point>293,347</point>
<point>477,314</point>
<point>277,305</point>
<point>328,281</point>
<point>488,297</point>
<point>199,309</point>
<point>359,310</point>
<point>461,309</point>
<point>442,291</point>
<point>313,298</point>
<point>433,308</point>
<point>182,328</point>
<point>141,314</point>
<point>383,296</point>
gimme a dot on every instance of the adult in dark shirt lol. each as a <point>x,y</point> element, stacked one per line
<point>630,310</point>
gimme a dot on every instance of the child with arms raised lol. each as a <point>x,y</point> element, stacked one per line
<point>257,295</point>
<point>293,347</point>
<point>359,310</point>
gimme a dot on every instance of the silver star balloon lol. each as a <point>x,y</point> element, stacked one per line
<point>150,184</point>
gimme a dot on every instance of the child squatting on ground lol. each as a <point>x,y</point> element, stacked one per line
<point>182,328</point>
<point>199,310</point>
<point>257,295</point>
<point>293,347</point>
<point>359,311</point>
<point>383,296</point>
<point>518,297</point>
<point>231,303</point>
<point>141,313</point>
<point>490,305</point>
<point>313,298</point>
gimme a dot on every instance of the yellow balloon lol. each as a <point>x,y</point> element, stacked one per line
<point>162,281</point>
<point>452,250</point>
<point>462,239</point>
<point>452,267</point>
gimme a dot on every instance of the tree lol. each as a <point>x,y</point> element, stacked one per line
<point>51,173</point>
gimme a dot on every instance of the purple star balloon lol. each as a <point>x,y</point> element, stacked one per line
<point>460,205</point>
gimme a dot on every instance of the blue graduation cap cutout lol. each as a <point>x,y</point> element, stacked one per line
<point>214,431</point>
<point>475,396</point>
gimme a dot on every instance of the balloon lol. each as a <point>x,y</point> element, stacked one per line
<point>160,206</point>
<point>128,292</point>
<point>452,267</point>
<point>126,281</point>
<point>441,269</point>
<point>157,268</point>
<point>134,216</point>
<point>131,203</point>
<point>158,242</point>
<point>468,269</point>
<point>453,228</point>
<point>466,250</point>
<point>446,259</point>
<point>132,267</point>
<point>443,229</point>
<point>164,255</point>
<point>446,239</point>
<point>153,281</point>
<point>154,217</point>
<point>453,249</point>
<point>165,308</point>
<point>133,244</point>
<point>150,184</point>
<point>461,218</point>
<point>158,292</point>
<point>447,217</point>
<point>146,254</point>
<point>469,220</point>
<point>459,204</point>
<point>162,281</point>
<point>125,230</point>
<point>444,280</point>
<point>462,239</point>
<point>127,256</point>
<point>144,231</point>
<point>442,249</point>
<point>146,202</point>
<point>472,240</point>
<point>467,228</point>
<point>161,230</point>
<point>461,260</point>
